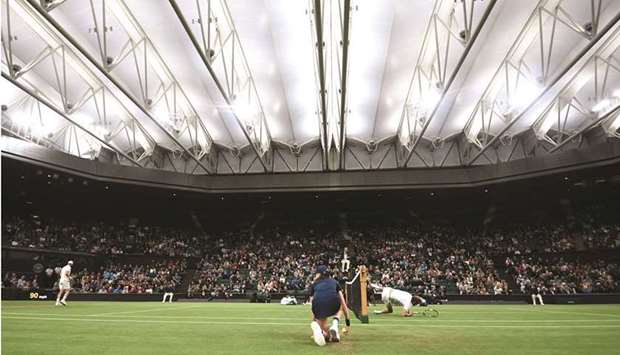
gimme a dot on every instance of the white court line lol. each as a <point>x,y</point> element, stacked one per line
<point>542,309</point>
<point>399,320</point>
<point>305,324</point>
<point>160,308</point>
<point>584,313</point>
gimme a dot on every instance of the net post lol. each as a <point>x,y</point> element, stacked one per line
<point>364,295</point>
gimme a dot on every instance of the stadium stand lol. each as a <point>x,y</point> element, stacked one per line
<point>429,259</point>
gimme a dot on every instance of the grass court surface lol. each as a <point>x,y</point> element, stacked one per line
<point>242,328</point>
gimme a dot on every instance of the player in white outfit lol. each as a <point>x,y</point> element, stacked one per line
<point>391,295</point>
<point>64,284</point>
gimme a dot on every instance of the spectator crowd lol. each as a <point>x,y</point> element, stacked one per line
<point>127,278</point>
<point>101,238</point>
<point>555,275</point>
<point>430,260</point>
<point>427,259</point>
<point>114,277</point>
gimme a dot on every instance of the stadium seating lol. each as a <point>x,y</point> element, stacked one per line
<point>430,259</point>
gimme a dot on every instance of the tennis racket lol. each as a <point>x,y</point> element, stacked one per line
<point>347,321</point>
<point>430,313</point>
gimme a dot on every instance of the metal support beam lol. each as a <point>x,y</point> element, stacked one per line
<point>96,95</point>
<point>471,39</point>
<point>43,13</point>
<point>67,118</point>
<point>346,23</point>
<point>554,119</point>
<point>318,18</point>
<point>599,155</point>
<point>311,158</point>
<point>549,84</point>
<point>614,112</point>
<point>206,61</point>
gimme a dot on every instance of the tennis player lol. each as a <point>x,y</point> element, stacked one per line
<point>64,284</point>
<point>327,301</point>
<point>391,295</point>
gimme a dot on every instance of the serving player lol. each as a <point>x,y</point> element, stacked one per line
<point>327,301</point>
<point>391,295</point>
<point>64,284</point>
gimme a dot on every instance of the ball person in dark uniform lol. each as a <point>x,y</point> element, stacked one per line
<point>327,301</point>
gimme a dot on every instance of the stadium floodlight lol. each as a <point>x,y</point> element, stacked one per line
<point>41,131</point>
<point>170,118</point>
<point>77,140</point>
<point>84,139</point>
<point>99,130</point>
<point>33,124</point>
<point>430,98</point>
<point>524,94</point>
<point>27,116</point>
<point>245,111</point>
